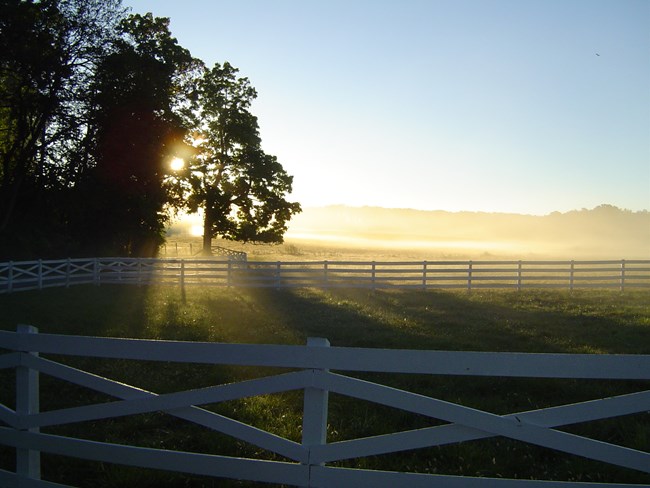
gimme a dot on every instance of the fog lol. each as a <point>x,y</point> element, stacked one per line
<point>605,232</point>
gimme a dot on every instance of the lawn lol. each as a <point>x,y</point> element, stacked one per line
<point>598,322</point>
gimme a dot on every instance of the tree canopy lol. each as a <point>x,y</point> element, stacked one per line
<point>94,104</point>
<point>136,131</point>
<point>239,187</point>
<point>48,52</point>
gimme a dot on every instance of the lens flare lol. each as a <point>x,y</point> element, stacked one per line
<point>177,164</point>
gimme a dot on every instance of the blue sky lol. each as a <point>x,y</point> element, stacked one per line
<point>511,106</point>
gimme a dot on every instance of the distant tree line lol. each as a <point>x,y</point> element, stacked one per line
<point>95,105</point>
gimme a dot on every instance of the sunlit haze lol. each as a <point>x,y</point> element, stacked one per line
<point>511,106</point>
<point>605,232</point>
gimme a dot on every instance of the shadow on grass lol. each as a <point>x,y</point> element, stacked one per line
<point>488,321</point>
<point>115,311</point>
<point>529,321</point>
<point>596,322</point>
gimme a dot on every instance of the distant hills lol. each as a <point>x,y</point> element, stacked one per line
<point>602,232</point>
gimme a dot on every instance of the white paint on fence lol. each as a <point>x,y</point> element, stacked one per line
<point>617,274</point>
<point>28,462</point>
<point>308,465</point>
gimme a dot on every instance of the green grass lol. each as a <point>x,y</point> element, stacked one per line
<point>528,321</point>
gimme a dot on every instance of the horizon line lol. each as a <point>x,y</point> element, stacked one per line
<point>370,206</point>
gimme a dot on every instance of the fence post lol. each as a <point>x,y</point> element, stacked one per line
<point>96,271</point>
<point>10,283</point>
<point>469,276</point>
<point>182,275</point>
<point>519,275</point>
<point>314,417</point>
<point>571,272</point>
<point>278,274</point>
<point>622,274</point>
<point>325,274</point>
<point>28,461</point>
<point>40,274</point>
<point>373,274</point>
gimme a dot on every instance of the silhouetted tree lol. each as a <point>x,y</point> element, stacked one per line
<point>94,104</point>
<point>241,189</point>
<point>47,53</point>
<point>135,130</point>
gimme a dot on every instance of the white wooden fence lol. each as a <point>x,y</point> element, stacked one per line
<point>314,363</point>
<point>618,274</point>
<point>189,250</point>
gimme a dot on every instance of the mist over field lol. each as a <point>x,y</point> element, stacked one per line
<point>605,232</point>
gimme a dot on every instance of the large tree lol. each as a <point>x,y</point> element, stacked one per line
<point>48,50</point>
<point>241,189</point>
<point>139,89</point>
<point>94,104</point>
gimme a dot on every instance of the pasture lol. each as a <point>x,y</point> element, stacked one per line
<point>598,322</point>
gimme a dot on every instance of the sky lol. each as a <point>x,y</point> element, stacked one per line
<point>517,106</point>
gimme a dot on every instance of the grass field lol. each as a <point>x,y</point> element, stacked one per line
<point>597,322</point>
<point>304,249</point>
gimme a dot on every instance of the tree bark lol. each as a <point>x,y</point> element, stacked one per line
<point>207,235</point>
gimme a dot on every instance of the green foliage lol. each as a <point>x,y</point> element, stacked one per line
<point>94,104</point>
<point>48,50</point>
<point>528,321</point>
<point>241,189</point>
<point>136,133</point>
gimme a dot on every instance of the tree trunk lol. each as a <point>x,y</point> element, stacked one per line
<point>8,197</point>
<point>207,235</point>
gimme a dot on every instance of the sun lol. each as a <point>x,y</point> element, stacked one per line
<point>177,164</point>
<point>196,230</point>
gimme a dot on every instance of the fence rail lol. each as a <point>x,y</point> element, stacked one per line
<point>313,364</point>
<point>618,274</point>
